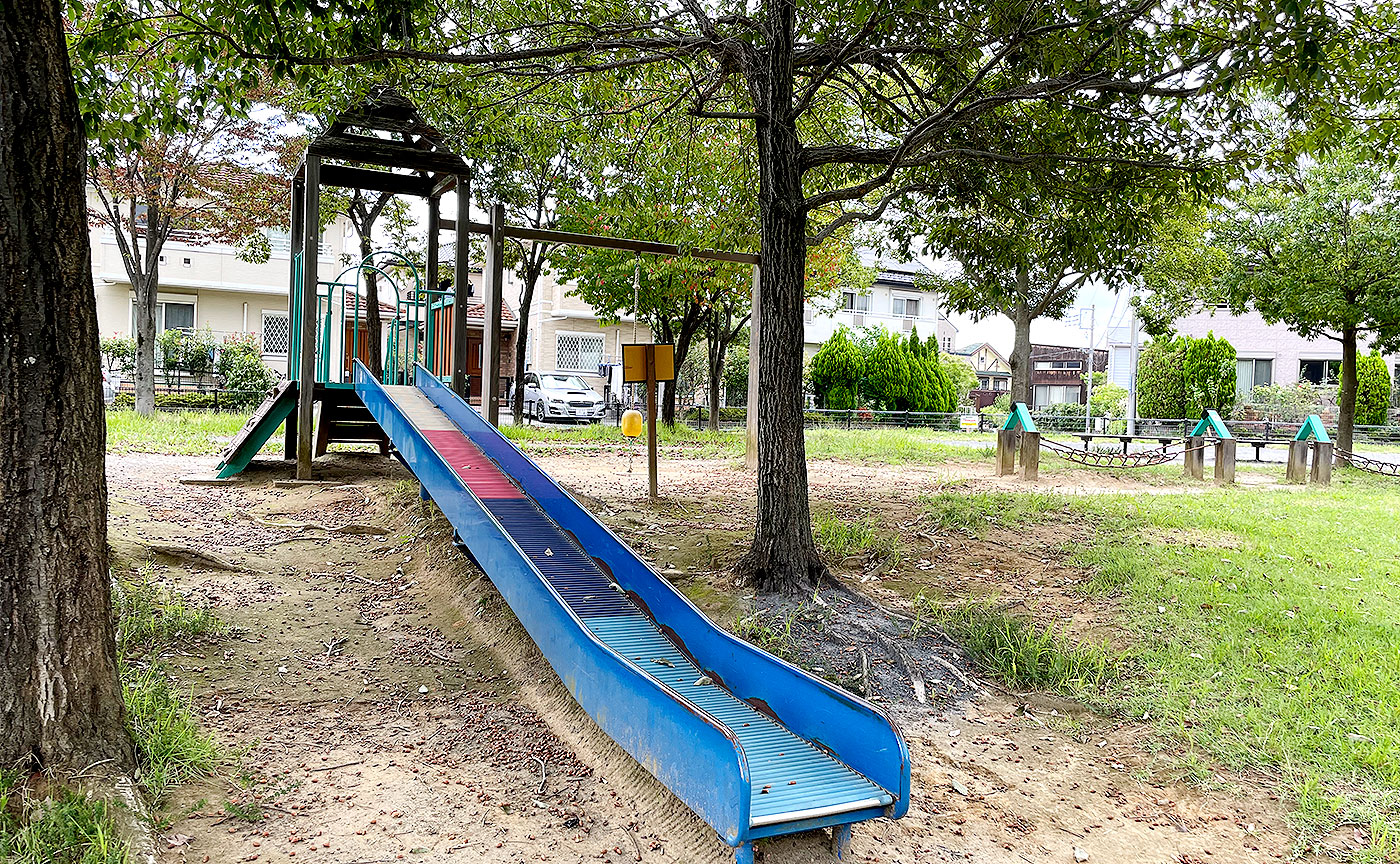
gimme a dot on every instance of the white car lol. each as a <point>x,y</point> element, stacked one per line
<point>560,396</point>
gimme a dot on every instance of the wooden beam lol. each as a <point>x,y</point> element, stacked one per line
<point>378,181</point>
<point>599,242</point>
<point>491,327</point>
<point>434,215</point>
<point>391,154</point>
<point>461,286</point>
<point>311,249</point>
<point>751,415</point>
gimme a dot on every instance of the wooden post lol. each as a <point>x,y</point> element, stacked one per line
<point>1225,461</point>
<point>491,326</point>
<point>1006,452</point>
<point>1030,455</point>
<point>461,282</point>
<point>651,422</point>
<point>1297,462</point>
<point>1195,458</point>
<point>1322,463</point>
<point>311,253</point>
<point>289,442</point>
<point>434,232</point>
<point>751,414</point>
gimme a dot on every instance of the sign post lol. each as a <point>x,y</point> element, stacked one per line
<point>649,363</point>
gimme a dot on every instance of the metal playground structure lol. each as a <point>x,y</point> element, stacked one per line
<point>755,746</point>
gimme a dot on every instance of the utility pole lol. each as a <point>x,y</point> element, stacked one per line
<point>1132,365</point>
<point>1089,379</point>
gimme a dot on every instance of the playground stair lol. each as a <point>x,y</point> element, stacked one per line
<point>753,745</point>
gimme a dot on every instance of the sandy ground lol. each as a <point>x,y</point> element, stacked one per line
<point>378,702</point>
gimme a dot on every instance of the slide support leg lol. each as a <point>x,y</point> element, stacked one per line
<point>743,853</point>
<point>841,840</point>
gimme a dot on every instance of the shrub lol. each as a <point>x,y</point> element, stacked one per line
<point>120,354</point>
<point>1185,376</point>
<point>961,376</point>
<point>1372,391</point>
<point>1209,367</point>
<point>887,372</point>
<point>837,365</point>
<point>192,399</point>
<point>1161,386</point>
<point>191,351</point>
<point>1286,403</point>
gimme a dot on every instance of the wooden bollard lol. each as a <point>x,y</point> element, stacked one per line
<point>1195,458</point>
<point>1297,462</point>
<point>1030,455</point>
<point>1225,461</point>
<point>1006,451</point>
<point>1322,463</point>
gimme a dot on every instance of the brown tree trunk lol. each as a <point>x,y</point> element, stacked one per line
<point>374,327</point>
<point>60,700</point>
<point>1020,359</point>
<point>527,298</point>
<point>1346,394</point>
<point>783,556</point>
<point>715,347</point>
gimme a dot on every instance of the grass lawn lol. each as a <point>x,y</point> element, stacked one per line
<point>1258,629</point>
<point>181,433</point>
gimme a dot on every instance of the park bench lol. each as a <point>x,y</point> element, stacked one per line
<point>1125,440</point>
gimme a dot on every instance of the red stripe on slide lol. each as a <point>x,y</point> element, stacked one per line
<point>479,473</point>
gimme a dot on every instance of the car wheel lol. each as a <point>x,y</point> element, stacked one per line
<point>539,410</point>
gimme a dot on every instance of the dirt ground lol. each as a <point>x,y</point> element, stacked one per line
<point>378,702</point>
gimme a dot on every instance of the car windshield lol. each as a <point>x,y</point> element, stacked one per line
<point>563,382</point>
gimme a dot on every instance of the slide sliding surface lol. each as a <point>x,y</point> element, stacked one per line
<point>665,683</point>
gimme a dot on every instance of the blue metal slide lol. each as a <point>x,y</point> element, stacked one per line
<point>755,746</point>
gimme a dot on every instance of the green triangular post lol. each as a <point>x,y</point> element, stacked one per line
<point>1211,422</point>
<point>1312,429</point>
<point>1019,418</point>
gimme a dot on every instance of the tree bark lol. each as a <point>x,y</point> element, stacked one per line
<point>1346,393</point>
<point>783,556</point>
<point>147,292</point>
<point>60,700</point>
<point>534,265</point>
<point>374,327</point>
<point>1020,359</point>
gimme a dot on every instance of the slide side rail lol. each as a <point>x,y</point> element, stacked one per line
<point>690,752</point>
<point>854,730</point>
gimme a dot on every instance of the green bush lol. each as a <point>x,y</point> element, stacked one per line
<point>838,365</point>
<point>886,382</point>
<point>1372,391</point>
<point>188,350</point>
<point>120,353</point>
<point>1209,367</point>
<point>1185,376</point>
<point>727,412</point>
<point>192,399</point>
<point>840,398</point>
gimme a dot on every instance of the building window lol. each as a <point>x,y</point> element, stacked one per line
<point>905,307</point>
<point>984,383</point>
<point>276,333</point>
<point>1056,394</point>
<point>853,302</point>
<point>1048,365</point>
<point>1001,384</point>
<point>169,316</point>
<point>578,352</point>
<point>1251,373</point>
<point>186,262</point>
<point>1320,371</point>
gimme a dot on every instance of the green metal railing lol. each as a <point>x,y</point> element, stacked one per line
<point>411,334</point>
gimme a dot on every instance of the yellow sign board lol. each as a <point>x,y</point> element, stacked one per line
<point>634,362</point>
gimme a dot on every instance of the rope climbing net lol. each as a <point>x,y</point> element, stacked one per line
<point>1366,463</point>
<point>1099,459</point>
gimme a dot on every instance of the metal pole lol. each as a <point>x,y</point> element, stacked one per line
<point>461,278</point>
<point>1089,380</point>
<point>751,418</point>
<point>311,253</point>
<point>1132,365</point>
<point>297,260</point>
<point>651,421</point>
<point>491,327</point>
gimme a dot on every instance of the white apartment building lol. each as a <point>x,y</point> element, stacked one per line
<point>206,286</point>
<point>566,335</point>
<point>893,300</point>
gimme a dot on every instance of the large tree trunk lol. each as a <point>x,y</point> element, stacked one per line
<point>783,556</point>
<point>1021,346</point>
<point>1346,394</point>
<point>715,347</point>
<point>60,701</point>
